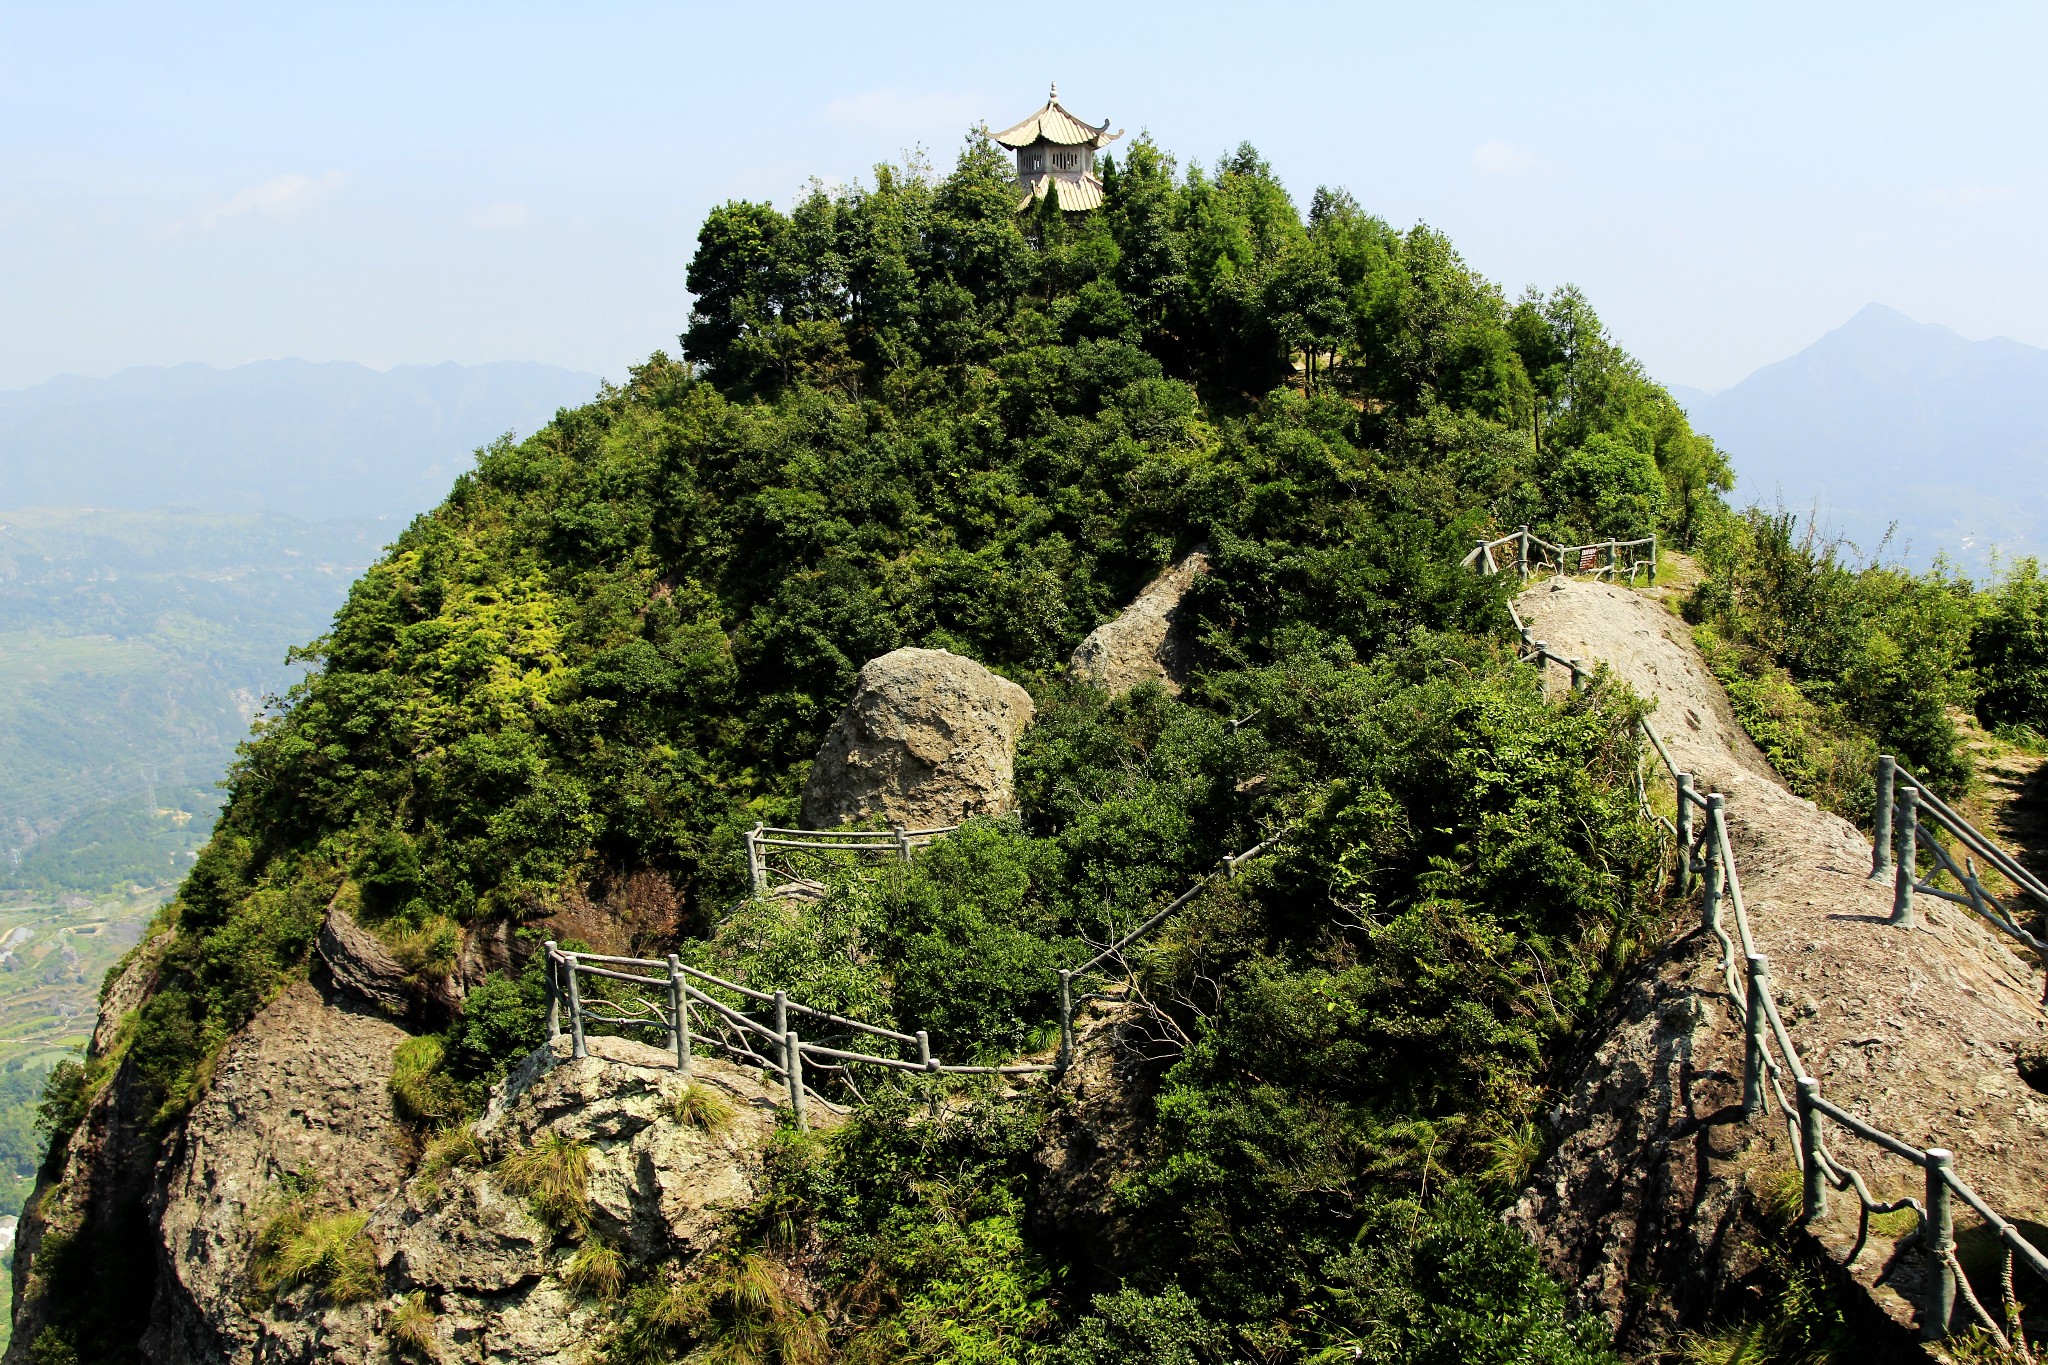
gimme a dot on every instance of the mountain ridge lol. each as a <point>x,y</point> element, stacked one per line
<point>1889,422</point>
<point>311,439</point>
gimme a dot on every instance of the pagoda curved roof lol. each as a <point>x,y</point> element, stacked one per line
<point>1075,193</point>
<point>1055,125</point>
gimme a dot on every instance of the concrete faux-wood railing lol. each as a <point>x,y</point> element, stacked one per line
<point>1914,818</point>
<point>690,1015</point>
<point>1114,952</point>
<point>1909,818</point>
<point>1769,1056</point>
<point>1528,553</point>
<point>772,852</point>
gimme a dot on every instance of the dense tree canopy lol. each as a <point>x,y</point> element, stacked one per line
<point>907,413</point>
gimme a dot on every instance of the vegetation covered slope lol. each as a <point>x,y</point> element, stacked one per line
<point>907,415</point>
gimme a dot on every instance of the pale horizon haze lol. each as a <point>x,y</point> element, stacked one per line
<point>524,182</point>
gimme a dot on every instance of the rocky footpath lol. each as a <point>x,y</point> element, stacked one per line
<point>928,739</point>
<point>1644,1203</point>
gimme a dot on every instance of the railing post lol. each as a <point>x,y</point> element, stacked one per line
<point>1523,564</point>
<point>782,1024</point>
<point>1653,559</point>
<point>679,1015</point>
<point>575,1009</point>
<point>1578,674</point>
<point>1815,1199</point>
<point>793,1049</point>
<point>552,976</point>
<point>1938,1237</point>
<point>1684,834</point>
<point>757,862</point>
<point>1881,819</point>
<point>902,844</point>
<point>1755,1061</point>
<point>1717,875</point>
<point>1907,832</point>
<point>1066,1018</point>
<point>924,1051</point>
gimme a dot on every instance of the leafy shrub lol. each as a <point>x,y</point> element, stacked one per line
<point>1608,488</point>
<point>1873,649</point>
<point>965,1284</point>
<point>1822,757</point>
<point>553,1173</point>
<point>66,1095</point>
<point>1446,1284</point>
<point>502,1019</point>
<point>1166,1328</point>
<point>2009,649</point>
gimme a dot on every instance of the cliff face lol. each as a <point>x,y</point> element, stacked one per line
<point>297,1132</point>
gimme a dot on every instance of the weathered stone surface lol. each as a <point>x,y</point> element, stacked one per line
<point>929,739</point>
<point>304,1090</point>
<point>361,965</point>
<point>1145,643</point>
<point>98,1187</point>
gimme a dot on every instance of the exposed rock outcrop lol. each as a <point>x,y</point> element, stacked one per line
<point>929,739</point>
<point>1639,1205</point>
<point>96,1190</point>
<point>302,1094</point>
<point>1146,641</point>
<point>361,965</point>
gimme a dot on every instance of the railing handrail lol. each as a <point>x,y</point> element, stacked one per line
<point>1226,868</point>
<point>566,968</point>
<point>898,840</point>
<point>1746,972</point>
<point>1526,543</point>
<point>1754,1003</point>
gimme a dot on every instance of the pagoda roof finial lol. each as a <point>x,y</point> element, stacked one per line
<point>1054,93</point>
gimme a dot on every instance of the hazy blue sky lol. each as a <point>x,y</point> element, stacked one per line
<point>481,182</point>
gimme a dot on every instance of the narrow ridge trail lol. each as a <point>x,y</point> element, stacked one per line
<point>1639,1203</point>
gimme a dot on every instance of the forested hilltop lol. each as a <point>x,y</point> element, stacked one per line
<point>908,415</point>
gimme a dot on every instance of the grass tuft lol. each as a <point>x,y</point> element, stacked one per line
<point>329,1253</point>
<point>422,1091</point>
<point>736,1313</point>
<point>596,1271</point>
<point>413,1329</point>
<point>699,1106</point>
<point>1511,1150</point>
<point>554,1175</point>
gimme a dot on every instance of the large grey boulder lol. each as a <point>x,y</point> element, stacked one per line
<point>929,739</point>
<point>1145,643</point>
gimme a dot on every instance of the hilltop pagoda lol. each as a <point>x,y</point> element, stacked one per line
<point>1056,152</point>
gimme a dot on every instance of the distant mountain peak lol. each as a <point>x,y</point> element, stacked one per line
<point>1886,418</point>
